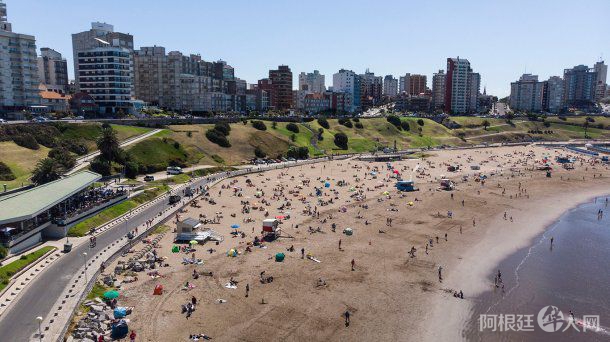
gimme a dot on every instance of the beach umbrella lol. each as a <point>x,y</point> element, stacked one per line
<point>280,217</point>
<point>235,226</point>
<point>193,242</point>
<point>112,294</point>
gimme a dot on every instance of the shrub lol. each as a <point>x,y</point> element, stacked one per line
<point>189,134</point>
<point>356,119</point>
<point>218,159</point>
<point>6,174</point>
<point>405,125</point>
<point>176,145</point>
<point>394,120</point>
<point>131,169</point>
<point>320,134</point>
<point>75,146</point>
<point>308,119</point>
<point>341,140</point>
<point>101,166</point>
<point>546,124</point>
<point>293,137</point>
<point>3,252</point>
<point>297,152</point>
<point>274,125</point>
<point>292,127</point>
<point>259,153</point>
<point>223,128</point>
<point>259,125</point>
<point>358,125</point>
<point>217,138</point>
<point>26,140</point>
<point>324,123</point>
<point>420,122</point>
<point>346,122</point>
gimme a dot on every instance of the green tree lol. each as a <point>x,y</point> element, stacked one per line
<point>47,170</point>
<point>341,140</point>
<point>63,157</point>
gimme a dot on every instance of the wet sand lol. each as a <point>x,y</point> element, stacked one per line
<point>390,295</point>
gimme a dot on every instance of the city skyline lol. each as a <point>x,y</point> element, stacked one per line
<point>233,36</point>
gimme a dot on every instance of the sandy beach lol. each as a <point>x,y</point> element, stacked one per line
<point>390,295</point>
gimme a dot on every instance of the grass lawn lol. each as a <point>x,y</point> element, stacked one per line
<point>160,229</point>
<point>21,161</point>
<point>83,227</point>
<point>156,154</point>
<point>7,271</point>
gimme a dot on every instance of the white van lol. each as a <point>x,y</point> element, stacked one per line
<point>174,170</point>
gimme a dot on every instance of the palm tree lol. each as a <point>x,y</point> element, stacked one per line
<point>108,144</point>
<point>47,170</point>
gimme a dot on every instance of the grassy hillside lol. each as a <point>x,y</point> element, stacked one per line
<point>22,160</point>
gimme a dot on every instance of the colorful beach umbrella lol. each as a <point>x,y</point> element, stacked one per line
<point>235,226</point>
<point>193,242</point>
<point>112,294</point>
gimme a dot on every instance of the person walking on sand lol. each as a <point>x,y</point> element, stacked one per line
<point>552,239</point>
<point>445,236</point>
<point>302,253</point>
<point>339,244</point>
<point>132,336</point>
<point>347,321</point>
<point>440,273</point>
<point>247,290</point>
<point>353,264</point>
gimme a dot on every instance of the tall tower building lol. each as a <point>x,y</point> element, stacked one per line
<point>553,94</point>
<point>600,84</point>
<point>103,67</point>
<point>438,89</point>
<point>18,67</point>
<point>281,84</point>
<point>580,85</point>
<point>460,87</point>
<point>390,86</point>
<point>417,84</point>
<point>53,70</point>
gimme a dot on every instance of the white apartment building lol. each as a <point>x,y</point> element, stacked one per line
<point>103,67</point>
<point>53,70</point>
<point>526,94</point>
<point>554,89</point>
<point>18,67</point>
<point>312,82</point>
<point>390,86</point>
<point>348,82</point>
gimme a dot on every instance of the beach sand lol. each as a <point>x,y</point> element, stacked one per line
<point>391,296</point>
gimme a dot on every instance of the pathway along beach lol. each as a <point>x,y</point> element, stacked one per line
<point>390,296</point>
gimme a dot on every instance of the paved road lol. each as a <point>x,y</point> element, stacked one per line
<point>18,323</point>
<point>37,299</point>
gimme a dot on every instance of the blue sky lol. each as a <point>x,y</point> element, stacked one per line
<point>501,39</point>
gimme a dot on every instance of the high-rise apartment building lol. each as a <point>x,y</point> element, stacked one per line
<point>474,86</point>
<point>53,70</point>
<point>600,83</point>
<point>348,83</point>
<point>404,83</point>
<point>417,84</point>
<point>103,67</point>
<point>553,95</point>
<point>18,67</point>
<point>371,89</point>
<point>526,94</point>
<point>460,86</point>
<point>390,86</point>
<point>312,82</point>
<point>187,83</point>
<point>580,85</point>
<point>438,89</point>
<point>281,88</point>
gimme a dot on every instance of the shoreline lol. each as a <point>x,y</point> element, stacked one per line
<point>481,260</point>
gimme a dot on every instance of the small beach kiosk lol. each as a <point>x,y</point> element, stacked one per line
<point>190,229</point>
<point>270,229</point>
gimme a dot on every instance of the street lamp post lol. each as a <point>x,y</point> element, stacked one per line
<point>39,320</point>
<point>85,258</point>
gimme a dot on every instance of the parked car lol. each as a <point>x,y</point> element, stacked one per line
<point>174,170</point>
<point>2,121</point>
<point>149,178</point>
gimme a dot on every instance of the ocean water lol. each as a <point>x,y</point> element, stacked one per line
<point>540,280</point>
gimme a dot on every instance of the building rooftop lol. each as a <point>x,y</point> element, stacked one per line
<point>29,203</point>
